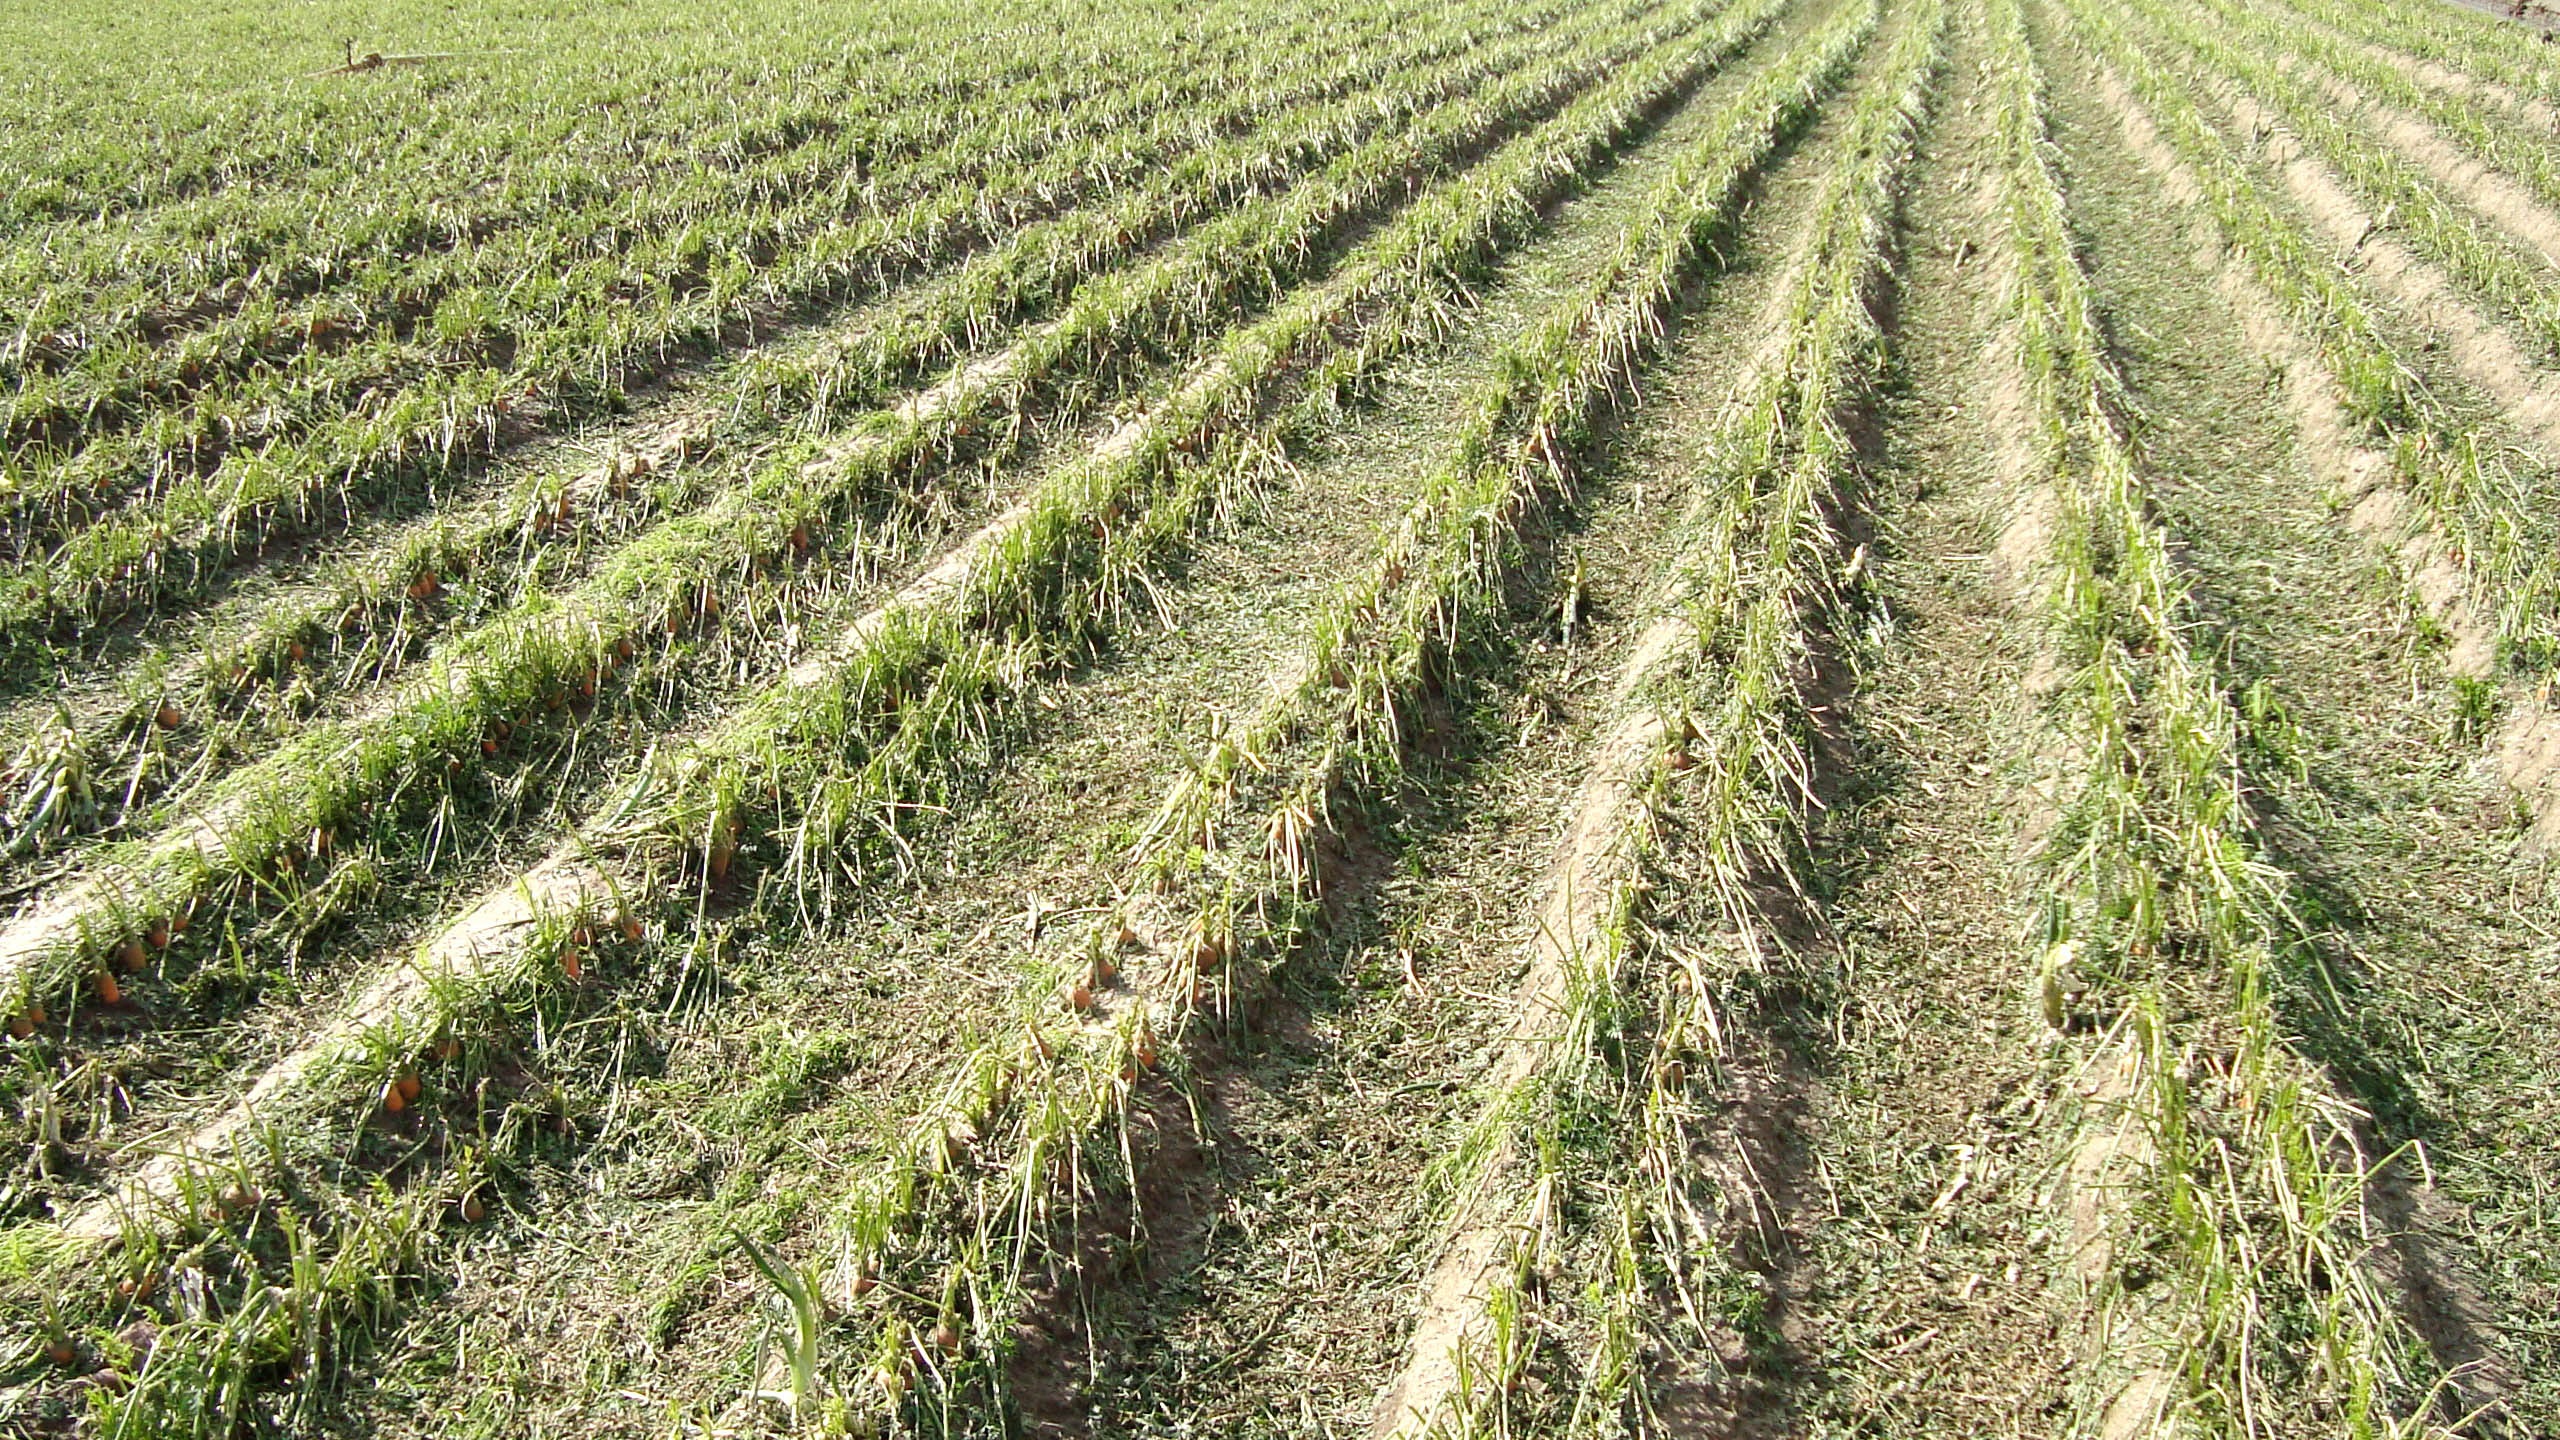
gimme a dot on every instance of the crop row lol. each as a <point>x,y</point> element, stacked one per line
<point>824,760</point>
<point>2493,134</point>
<point>2498,54</point>
<point>2159,914</point>
<point>839,135</point>
<point>1720,729</point>
<point>1383,301</point>
<point>2517,286</point>
<point>88,146</point>
<point>339,431</point>
<point>1224,882</point>
<point>763,399</point>
<point>2465,485</point>
<point>190,277</point>
<point>163,274</point>
<point>490,296</point>
<point>670,579</point>
<point>1404,263</point>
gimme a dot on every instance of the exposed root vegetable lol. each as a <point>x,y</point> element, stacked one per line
<point>169,718</point>
<point>110,994</point>
<point>409,1086</point>
<point>1080,997</point>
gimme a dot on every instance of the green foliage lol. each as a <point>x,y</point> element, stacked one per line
<point>2467,489</point>
<point>2158,903</point>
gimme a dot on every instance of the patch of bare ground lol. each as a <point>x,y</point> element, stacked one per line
<point>2369,785</point>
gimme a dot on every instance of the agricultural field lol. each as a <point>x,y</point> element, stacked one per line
<point>1407,719</point>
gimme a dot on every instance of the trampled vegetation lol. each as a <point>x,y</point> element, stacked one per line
<point>1677,717</point>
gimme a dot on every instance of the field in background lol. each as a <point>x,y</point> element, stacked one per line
<point>1422,718</point>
